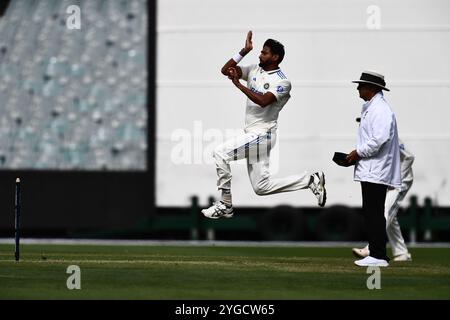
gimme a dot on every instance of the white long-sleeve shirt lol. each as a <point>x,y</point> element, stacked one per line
<point>261,81</point>
<point>406,172</point>
<point>377,144</point>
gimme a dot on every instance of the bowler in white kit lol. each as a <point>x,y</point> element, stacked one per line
<point>268,90</point>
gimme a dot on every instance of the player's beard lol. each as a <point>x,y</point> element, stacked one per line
<point>262,64</point>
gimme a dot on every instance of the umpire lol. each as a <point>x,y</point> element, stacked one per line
<point>377,162</point>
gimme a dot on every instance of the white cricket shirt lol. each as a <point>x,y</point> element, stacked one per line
<point>258,118</point>
<point>406,172</point>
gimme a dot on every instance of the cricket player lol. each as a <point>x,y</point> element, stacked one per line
<point>394,196</point>
<point>268,90</point>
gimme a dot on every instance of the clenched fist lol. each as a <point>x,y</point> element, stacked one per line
<point>231,72</point>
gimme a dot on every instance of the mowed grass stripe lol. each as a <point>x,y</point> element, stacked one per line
<point>110,272</point>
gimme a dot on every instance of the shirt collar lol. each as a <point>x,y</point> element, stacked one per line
<point>269,72</point>
<point>273,71</point>
<point>376,97</point>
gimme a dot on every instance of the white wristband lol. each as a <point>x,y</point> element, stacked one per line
<point>237,57</point>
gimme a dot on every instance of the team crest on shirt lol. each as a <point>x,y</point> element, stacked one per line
<point>280,89</point>
<point>266,86</point>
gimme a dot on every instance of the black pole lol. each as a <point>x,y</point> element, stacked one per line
<point>17,219</point>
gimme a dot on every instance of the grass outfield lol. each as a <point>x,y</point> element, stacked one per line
<point>213,272</point>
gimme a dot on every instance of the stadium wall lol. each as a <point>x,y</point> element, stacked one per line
<point>328,44</point>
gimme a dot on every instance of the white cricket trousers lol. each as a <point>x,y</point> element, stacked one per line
<point>393,198</point>
<point>255,147</point>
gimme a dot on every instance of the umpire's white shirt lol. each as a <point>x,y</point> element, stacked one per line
<point>258,80</point>
<point>378,144</point>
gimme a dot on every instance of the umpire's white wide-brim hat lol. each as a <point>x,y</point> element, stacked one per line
<point>374,78</point>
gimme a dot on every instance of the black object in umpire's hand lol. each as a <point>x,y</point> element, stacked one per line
<point>340,159</point>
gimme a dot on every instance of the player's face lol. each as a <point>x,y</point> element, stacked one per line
<point>266,57</point>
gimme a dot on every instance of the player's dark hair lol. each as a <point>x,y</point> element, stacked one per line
<point>276,48</point>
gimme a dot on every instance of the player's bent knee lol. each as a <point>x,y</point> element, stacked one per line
<point>261,190</point>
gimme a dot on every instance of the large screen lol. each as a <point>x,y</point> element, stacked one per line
<point>73,88</point>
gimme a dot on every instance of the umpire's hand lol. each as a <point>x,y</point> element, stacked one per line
<point>353,157</point>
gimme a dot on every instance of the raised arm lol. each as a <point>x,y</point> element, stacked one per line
<point>232,63</point>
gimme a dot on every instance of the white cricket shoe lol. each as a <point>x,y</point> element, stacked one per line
<point>403,257</point>
<point>317,187</point>
<point>371,262</point>
<point>361,253</point>
<point>218,210</point>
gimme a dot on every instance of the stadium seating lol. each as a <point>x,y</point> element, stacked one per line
<point>73,99</point>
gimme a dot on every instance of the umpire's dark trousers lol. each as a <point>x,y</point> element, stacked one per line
<point>373,199</point>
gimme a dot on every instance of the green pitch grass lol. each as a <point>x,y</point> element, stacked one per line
<point>151,272</point>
